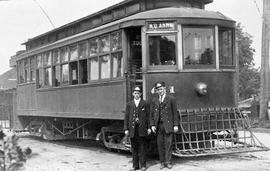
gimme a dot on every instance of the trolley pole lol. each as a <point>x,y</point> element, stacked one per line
<point>265,74</point>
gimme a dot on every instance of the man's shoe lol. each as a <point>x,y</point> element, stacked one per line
<point>162,166</point>
<point>134,169</point>
<point>143,169</point>
<point>169,166</point>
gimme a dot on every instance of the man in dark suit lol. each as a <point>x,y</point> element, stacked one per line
<point>136,125</point>
<point>164,121</point>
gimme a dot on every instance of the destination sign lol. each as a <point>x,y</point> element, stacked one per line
<point>161,26</point>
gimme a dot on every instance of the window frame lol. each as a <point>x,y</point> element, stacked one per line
<point>233,65</point>
<point>200,66</point>
<point>118,51</point>
<point>103,54</point>
<point>47,66</point>
<point>39,72</point>
<point>91,56</point>
<point>80,71</point>
<point>26,67</point>
<point>83,63</point>
<point>20,71</point>
<point>32,72</point>
<point>162,67</point>
<point>62,63</point>
<point>54,65</point>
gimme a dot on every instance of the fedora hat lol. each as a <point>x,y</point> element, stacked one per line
<point>159,84</point>
<point>137,89</point>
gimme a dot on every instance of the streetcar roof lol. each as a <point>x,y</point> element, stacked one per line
<point>174,12</point>
<point>108,10</point>
<point>171,13</point>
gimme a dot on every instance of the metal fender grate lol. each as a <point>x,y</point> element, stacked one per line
<point>214,131</point>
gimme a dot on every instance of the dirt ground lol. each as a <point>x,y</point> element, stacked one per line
<point>90,156</point>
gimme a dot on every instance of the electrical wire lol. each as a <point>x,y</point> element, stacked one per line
<point>258,9</point>
<point>44,12</point>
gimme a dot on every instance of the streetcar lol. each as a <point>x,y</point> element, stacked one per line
<point>74,81</point>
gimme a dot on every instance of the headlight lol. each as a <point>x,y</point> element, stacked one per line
<point>201,89</point>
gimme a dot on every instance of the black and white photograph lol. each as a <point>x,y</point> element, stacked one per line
<point>126,85</point>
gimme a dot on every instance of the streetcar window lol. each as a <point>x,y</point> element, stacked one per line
<point>20,71</point>
<point>65,74</point>
<point>47,59</point>
<point>64,54</point>
<point>116,41</point>
<point>39,71</point>
<point>48,76</point>
<point>39,61</point>
<point>94,68</point>
<point>32,69</point>
<point>225,37</point>
<point>56,57</point>
<point>83,71</point>
<point>198,44</point>
<point>56,75</point>
<point>73,52</point>
<point>105,66</point>
<point>56,68</point>
<point>26,69</point>
<point>39,78</point>
<point>105,44</point>
<point>82,50</point>
<point>117,65</point>
<point>74,72</point>
<point>93,47</point>
<point>162,50</point>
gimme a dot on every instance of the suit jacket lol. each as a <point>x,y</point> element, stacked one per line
<point>143,115</point>
<point>167,110</point>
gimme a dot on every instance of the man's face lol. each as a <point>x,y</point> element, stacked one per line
<point>136,95</point>
<point>161,91</point>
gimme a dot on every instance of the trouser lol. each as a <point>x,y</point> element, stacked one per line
<point>138,149</point>
<point>164,143</point>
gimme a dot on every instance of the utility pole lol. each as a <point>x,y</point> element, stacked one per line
<point>265,74</point>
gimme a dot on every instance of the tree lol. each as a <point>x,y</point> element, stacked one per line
<point>249,76</point>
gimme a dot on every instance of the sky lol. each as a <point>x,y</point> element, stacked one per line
<point>21,20</point>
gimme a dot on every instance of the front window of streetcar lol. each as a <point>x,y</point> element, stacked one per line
<point>162,50</point>
<point>198,47</point>
<point>225,37</point>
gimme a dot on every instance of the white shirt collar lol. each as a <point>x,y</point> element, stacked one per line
<point>137,102</point>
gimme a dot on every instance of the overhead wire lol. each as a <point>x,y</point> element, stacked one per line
<point>258,9</point>
<point>45,13</point>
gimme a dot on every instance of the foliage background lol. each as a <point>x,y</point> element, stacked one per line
<point>249,76</point>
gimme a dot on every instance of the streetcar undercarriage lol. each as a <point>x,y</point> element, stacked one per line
<point>202,132</point>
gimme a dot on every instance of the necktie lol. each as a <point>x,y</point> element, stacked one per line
<point>160,99</point>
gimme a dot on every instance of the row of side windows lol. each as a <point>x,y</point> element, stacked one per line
<point>90,60</point>
<point>101,58</point>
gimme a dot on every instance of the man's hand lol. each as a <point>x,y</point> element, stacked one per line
<point>153,129</point>
<point>126,132</point>
<point>149,131</point>
<point>175,129</point>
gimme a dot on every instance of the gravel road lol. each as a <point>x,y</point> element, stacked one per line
<point>90,156</point>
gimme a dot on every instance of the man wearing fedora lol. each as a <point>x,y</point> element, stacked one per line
<point>136,125</point>
<point>164,122</point>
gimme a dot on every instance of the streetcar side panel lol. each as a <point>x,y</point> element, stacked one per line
<point>91,101</point>
<point>220,88</point>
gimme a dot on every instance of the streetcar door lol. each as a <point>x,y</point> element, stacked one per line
<point>134,61</point>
